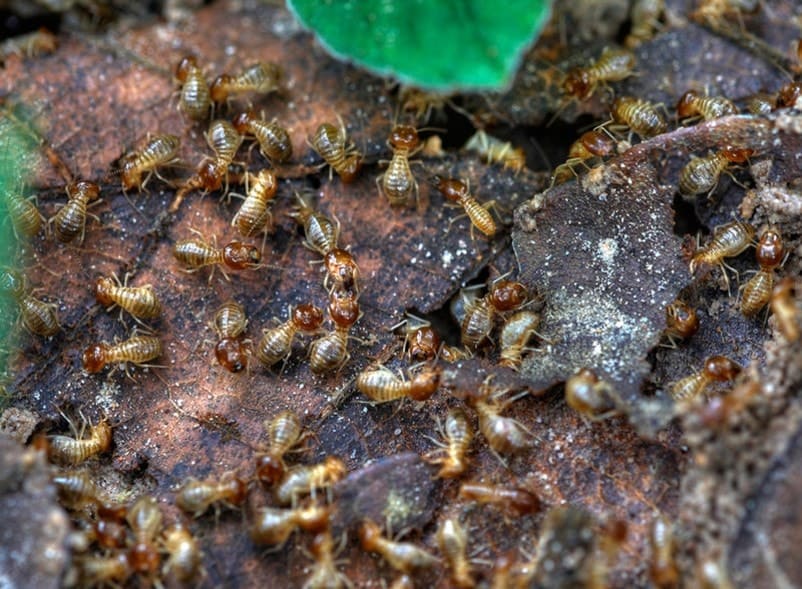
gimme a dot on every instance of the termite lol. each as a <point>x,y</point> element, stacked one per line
<point>692,104</point>
<point>140,301</point>
<point>196,497</point>
<point>274,525</point>
<point>505,435</point>
<point>31,44</point>
<point>37,316</point>
<point>224,140</point>
<point>590,396</point>
<point>516,500</point>
<point>325,574</point>
<point>458,191</point>
<point>276,342</point>
<point>138,349</point>
<point>145,519</point>
<point>785,310</point>
<point>330,352</point>
<point>196,253</point>
<point>184,554</point>
<point>230,323</point>
<point>274,141</point>
<point>69,450</point>
<point>331,143</point>
<point>320,231</point>
<point>728,241</point>
<point>195,100</point>
<point>453,543</point>
<point>421,341</point>
<point>590,145</point>
<point>283,432</point>
<point>303,480</point>
<point>160,150</point>
<point>769,253</point>
<point>25,217</point>
<point>715,369</point>
<point>518,329</point>
<point>702,174</point>
<point>663,569</point>
<point>681,321</point>
<point>254,216</point>
<point>641,116</point>
<point>613,65</point>
<point>402,556</point>
<point>645,16</point>
<point>260,78</point>
<point>451,454</point>
<point>397,183</point>
<point>382,385</point>
<point>496,151</point>
<point>341,270</point>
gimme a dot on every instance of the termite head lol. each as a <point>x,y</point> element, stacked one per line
<point>789,94</point>
<point>184,66</point>
<point>239,256</point>
<point>343,308</point>
<point>404,137</point>
<point>507,295</point>
<point>721,368</point>
<point>211,173</point>
<point>686,106</point>
<point>231,354</point>
<point>242,120</point>
<point>219,88</point>
<point>424,384</point>
<point>578,83</point>
<point>737,155</point>
<point>94,358</point>
<point>453,189</point>
<point>770,249</point>
<point>307,317</point>
<point>103,288</point>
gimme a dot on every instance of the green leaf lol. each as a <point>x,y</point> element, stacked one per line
<point>440,45</point>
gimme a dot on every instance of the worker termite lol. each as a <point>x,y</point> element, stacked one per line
<point>332,145</point>
<point>276,342</point>
<point>320,231</point>
<point>681,322</point>
<point>138,349</point>
<point>185,558</point>
<point>160,150</point>
<point>590,145</point>
<point>69,450</point>
<point>381,385</point>
<point>516,500</point>
<point>421,341</point>
<point>692,104</point>
<point>31,44</point>
<point>495,151</point>
<point>283,433</point>
<point>613,65</point>
<point>224,140</point>
<point>785,310</point>
<point>701,174</point>
<point>590,396</point>
<point>330,352</point>
<point>458,191</point>
<point>303,480</point>
<point>230,323</point>
<point>715,369</point>
<point>274,141</point>
<point>451,454</point>
<point>505,435</point>
<point>26,219</point>
<point>421,102</point>
<point>518,329</point>
<point>109,527</point>
<point>402,556</point>
<point>196,252</point>
<point>254,216</point>
<point>397,183</point>
<point>260,78</point>
<point>645,16</point>
<point>453,543</point>
<point>641,116</point>
<point>480,313</point>
<point>325,574</point>
<point>663,570</point>
<point>728,241</point>
<point>196,497</point>
<point>274,526</point>
<point>96,571</point>
<point>769,253</point>
<point>140,301</point>
<point>341,270</point>
<point>37,316</point>
<point>195,100</point>
<point>145,519</point>
<point>76,489</point>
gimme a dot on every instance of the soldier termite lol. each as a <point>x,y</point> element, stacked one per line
<point>397,183</point>
<point>140,301</point>
<point>331,143</point>
<point>382,385</point>
<point>590,145</point>
<point>283,432</point>
<point>195,99</point>
<point>185,558</point>
<point>715,369</point>
<point>274,526</point>
<point>196,497</point>
<point>402,556</point>
<point>681,322</point>
<point>37,316</point>
<point>260,78</point>
<point>728,241</point>
<point>663,570</point>
<point>515,500</point>
<point>26,219</point>
<point>254,216</point>
<point>274,141</point>
<point>325,574</point>
<point>421,341</point>
<point>613,65</point>
<point>639,115</point>
<point>453,543</point>
<point>160,150</point>
<point>69,450</point>
<point>145,519</point>
<point>590,396</point>
<point>701,174</point>
<point>230,323</point>
<point>692,104</point>
<point>320,231</point>
<point>645,16</point>
<point>518,329</point>
<point>276,342</point>
<point>138,349</point>
<point>769,253</point>
<point>495,151</point>
<point>785,310</point>
<point>303,480</point>
<point>330,352</point>
<point>195,253</point>
<point>458,191</point>
<point>451,454</point>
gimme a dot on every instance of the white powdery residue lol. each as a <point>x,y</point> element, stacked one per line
<point>446,257</point>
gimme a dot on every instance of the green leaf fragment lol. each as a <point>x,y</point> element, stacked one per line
<point>442,45</point>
